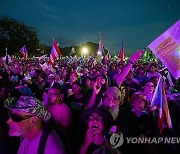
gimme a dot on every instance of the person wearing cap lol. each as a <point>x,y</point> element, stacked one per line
<point>135,120</point>
<point>50,82</point>
<point>98,122</point>
<point>112,100</point>
<point>30,84</point>
<point>27,118</point>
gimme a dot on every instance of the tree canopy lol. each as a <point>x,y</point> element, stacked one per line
<point>14,34</point>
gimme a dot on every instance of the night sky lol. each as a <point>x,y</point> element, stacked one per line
<point>74,22</point>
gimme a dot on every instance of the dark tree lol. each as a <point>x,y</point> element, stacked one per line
<point>14,34</point>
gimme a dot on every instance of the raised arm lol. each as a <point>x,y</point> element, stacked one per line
<point>5,66</point>
<point>18,67</point>
<point>135,56</point>
<point>92,100</point>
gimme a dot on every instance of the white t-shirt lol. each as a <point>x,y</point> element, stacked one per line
<point>53,145</point>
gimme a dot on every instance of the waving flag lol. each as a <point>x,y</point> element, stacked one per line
<point>72,51</point>
<point>23,52</point>
<point>70,59</point>
<point>159,100</point>
<point>100,47</point>
<point>108,56</point>
<point>167,48</point>
<point>7,59</point>
<point>121,54</point>
<point>55,52</point>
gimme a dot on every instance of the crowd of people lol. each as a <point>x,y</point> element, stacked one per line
<point>75,106</point>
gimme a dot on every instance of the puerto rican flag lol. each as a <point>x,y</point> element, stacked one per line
<point>160,100</point>
<point>121,54</point>
<point>55,52</point>
<point>23,52</point>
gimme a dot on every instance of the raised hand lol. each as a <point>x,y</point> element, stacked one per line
<point>96,88</point>
<point>90,136</point>
<point>136,55</point>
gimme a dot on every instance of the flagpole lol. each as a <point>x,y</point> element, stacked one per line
<point>6,56</point>
<point>101,42</point>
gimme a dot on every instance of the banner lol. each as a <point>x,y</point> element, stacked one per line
<point>167,48</point>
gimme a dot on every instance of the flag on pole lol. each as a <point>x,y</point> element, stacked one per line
<point>55,52</point>
<point>121,54</point>
<point>100,47</point>
<point>166,47</point>
<point>23,52</point>
<point>72,51</point>
<point>42,57</point>
<point>159,99</point>
<point>7,59</point>
<point>108,56</point>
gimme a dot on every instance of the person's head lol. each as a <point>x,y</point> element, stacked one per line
<point>100,79</point>
<point>57,77</point>
<point>85,72</point>
<point>64,73</point>
<point>111,98</point>
<point>140,71</point>
<point>138,103</point>
<point>154,80</point>
<point>104,71</point>
<point>54,96</point>
<point>149,87</point>
<point>31,68</point>
<point>130,75</point>
<point>152,68</point>
<point>28,79</point>
<point>97,118</point>
<point>76,88</point>
<point>73,76</point>
<point>26,113</point>
<point>98,72</point>
<point>51,78</point>
<point>87,81</point>
<point>40,78</point>
<point>145,66</point>
<point>119,69</point>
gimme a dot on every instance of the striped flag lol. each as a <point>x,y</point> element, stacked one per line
<point>121,54</point>
<point>108,56</point>
<point>72,51</point>
<point>160,100</point>
<point>23,52</point>
<point>55,52</point>
<point>100,47</point>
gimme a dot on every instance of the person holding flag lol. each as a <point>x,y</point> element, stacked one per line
<point>160,101</point>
